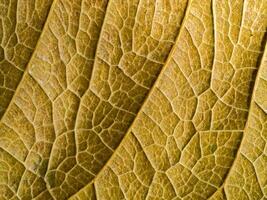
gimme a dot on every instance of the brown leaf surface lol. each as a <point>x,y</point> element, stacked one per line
<point>133,99</point>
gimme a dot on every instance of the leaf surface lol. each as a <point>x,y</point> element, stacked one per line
<point>136,99</point>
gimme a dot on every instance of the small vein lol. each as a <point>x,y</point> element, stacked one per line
<point>146,99</point>
<point>31,57</point>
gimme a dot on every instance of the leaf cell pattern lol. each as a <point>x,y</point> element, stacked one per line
<point>136,99</point>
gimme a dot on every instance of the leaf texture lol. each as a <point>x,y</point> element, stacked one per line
<point>136,99</point>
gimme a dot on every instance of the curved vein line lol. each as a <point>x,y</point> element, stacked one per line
<point>90,78</point>
<point>249,113</point>
<point>261,60</point>
<point>174,47</point>
<point>30,59</point>
<point>80,99</point>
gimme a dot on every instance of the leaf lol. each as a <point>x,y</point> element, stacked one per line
<point>136,99</point>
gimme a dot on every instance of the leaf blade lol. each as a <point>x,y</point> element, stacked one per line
<point>114,107</point>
